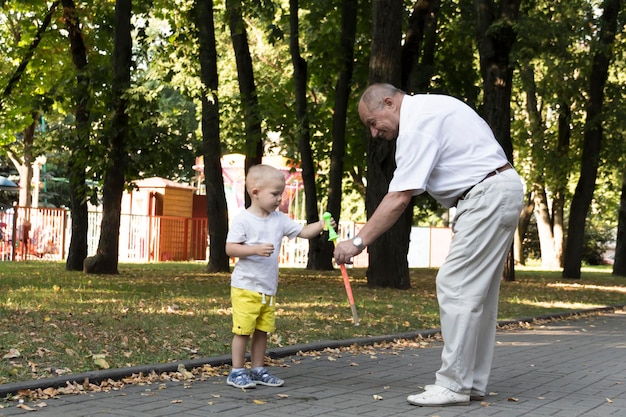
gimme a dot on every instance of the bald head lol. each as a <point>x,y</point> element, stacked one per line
<point>374,95</point>
<point>379,109</point>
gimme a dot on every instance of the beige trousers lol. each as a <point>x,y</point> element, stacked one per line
<point>468,283</point>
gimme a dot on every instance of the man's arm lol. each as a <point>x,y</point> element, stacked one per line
<point>385,216</point>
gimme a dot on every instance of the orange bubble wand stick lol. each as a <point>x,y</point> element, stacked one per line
<point>332,236</point>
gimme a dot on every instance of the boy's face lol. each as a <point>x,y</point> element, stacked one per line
<point>268,196</point>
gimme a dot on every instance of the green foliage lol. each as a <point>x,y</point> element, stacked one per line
<point>553,44</point>
<point>457,57</point>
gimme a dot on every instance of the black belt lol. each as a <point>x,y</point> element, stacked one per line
<point>491,174</point>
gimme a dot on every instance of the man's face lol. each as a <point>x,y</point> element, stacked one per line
<point>383,122</point>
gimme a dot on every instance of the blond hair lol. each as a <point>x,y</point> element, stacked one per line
<point>259,175</point>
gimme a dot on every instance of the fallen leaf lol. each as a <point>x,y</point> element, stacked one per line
<point>377,397</point>
<point>610,401</point>
<point>484,404</point>
<point>354,364</point>
<point>259,402</point>
<point>176,401</point>
<point>282,395</point>
<point>513,399</point>
<point>25,407</point>
<point>51,392</point>
<point>184,372</point>
<point>102,363</point>
<point>13,353</point>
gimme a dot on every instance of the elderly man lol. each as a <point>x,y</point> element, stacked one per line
<point>445,149</point>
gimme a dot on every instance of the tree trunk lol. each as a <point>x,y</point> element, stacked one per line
<point>78,152</point>
<point>418,52</point>
<point>340,114</point>
<point>562,178</point>
<point>619,264</point>
<point>496,36</point>
<point>544,228</point>
<point>320,250</point>
<point>592,142</point>
<point>247,88</point>
<point>539,168</point>
<point>217,210</point>
<point>25,166</point>
<point>522,227</point>
<point>106,259</point>
<point>388,264</point>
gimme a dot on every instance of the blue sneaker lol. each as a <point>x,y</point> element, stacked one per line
<point>240,379</point>
<point>263,377</point>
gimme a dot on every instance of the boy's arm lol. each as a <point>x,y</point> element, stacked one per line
<point>239,250</point>
<point>312,230</point>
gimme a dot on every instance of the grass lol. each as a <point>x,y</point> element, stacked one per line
<point>56,322</point>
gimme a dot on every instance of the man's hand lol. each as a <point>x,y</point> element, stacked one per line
<point>344,251</point>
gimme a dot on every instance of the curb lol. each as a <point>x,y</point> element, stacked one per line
<point>119,373</point>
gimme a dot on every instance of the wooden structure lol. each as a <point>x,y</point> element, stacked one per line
<point>175,234</point>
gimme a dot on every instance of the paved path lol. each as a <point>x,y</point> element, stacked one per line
<point>566,368</point>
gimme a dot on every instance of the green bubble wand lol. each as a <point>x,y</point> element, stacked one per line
<point>332,236</point>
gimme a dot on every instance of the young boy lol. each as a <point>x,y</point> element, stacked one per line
<point>255,237</point>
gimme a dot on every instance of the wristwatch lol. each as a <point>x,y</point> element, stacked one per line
<point>358,242</point>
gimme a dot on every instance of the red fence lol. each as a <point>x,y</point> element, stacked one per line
<point>28,233</point>
<point>44,233</point>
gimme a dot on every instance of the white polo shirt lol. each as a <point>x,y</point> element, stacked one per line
<point>443,148</point>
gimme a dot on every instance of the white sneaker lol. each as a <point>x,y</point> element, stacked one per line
<point>474,395</point>
<point>438,396</point>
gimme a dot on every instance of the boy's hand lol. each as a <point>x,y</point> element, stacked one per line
<point>264,249</point>
<point>332,223</point>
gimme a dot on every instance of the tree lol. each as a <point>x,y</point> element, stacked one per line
<point>216,199</point>
<point>537,171</point>
<point>78,153</point>
<point>24,158</point>
<point>602,54</point>
<point>552,60</point>
<point>388,264</point>
<point>619,264</point>
<point>495,37</point>
<point>316,260</point>
<point>106,259</point>
<point>418,52</point>
<point>247,88</point>
<point>345,57</point>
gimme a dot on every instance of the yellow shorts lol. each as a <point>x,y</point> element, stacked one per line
<point>252,311</point>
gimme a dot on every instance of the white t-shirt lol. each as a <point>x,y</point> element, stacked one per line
<point>260,273</point>
<point>444,147</point>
